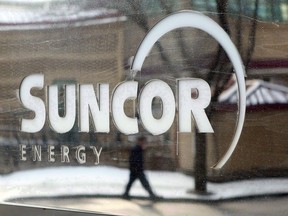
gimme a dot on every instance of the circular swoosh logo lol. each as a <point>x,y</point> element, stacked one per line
<point>197,20</point>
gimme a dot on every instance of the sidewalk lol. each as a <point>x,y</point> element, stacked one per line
<point>105,181</point>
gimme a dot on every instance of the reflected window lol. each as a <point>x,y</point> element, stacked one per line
<point>276,11</point>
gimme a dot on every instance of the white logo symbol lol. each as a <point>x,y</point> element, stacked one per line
<point>197,20</point>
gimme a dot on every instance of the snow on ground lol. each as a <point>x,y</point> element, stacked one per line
<point>110,181</point>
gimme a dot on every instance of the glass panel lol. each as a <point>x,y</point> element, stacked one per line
<point>79,118</point>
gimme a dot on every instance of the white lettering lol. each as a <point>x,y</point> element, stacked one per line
<point>36,149</point>
<point>66,123</point>
<point>51,153</point>
<point>33,103</point>
<point>97,107</point>
<point>23,152</point>
<point>81,156</point>
<point>189,105</point>
<point>123,92</point>
<point>160,89</point>
<point>98,110</point>
<point>65,154</point>
<point>96,153</point>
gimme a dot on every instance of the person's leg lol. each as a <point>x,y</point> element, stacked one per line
<point>146,184</point>
<point>132,178</point>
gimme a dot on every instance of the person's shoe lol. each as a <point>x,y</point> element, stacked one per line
<point>126,196</point>
<point>155,198</point>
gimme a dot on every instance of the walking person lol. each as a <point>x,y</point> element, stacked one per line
<point>137,170</point>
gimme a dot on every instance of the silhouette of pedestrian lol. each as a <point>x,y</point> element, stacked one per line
<point>136,169</point>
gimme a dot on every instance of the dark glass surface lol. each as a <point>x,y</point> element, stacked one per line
<point>75,42</point>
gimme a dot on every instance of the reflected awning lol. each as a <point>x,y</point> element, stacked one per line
<point>258,92</point>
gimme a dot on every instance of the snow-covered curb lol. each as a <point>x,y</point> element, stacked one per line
<point>111,181</point>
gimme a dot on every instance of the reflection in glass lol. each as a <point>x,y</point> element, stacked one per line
<point>91,42</point>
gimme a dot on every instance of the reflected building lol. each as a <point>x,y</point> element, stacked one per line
<point>69,44</point>
<point>72,43</point>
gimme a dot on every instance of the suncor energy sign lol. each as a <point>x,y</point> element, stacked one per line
<point>102,107</point>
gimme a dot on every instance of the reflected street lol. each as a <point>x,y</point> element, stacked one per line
<point>261,206</point>
<point>105,103</point>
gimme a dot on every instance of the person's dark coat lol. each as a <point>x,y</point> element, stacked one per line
<point>136,160</point>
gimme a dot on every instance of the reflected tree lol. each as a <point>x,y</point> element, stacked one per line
<point>220,70</point>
